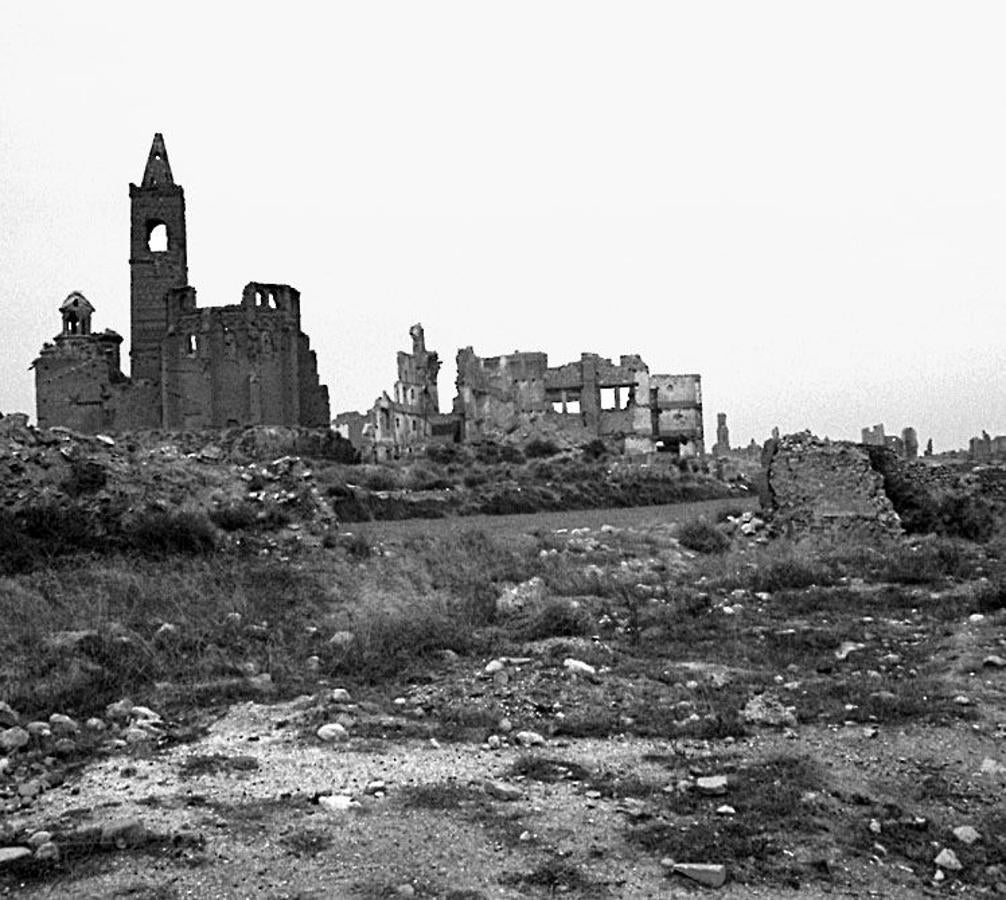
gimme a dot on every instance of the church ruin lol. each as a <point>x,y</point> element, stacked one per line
<point>212,367</point>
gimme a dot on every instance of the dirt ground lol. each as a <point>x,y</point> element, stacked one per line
<point>813,740</point>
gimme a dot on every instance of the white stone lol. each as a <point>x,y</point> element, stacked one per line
<point>947,859</point>
<point>332,732</point>
<point>499,790</point>
<point>704,873</point>
<point>579,667</point>
<point>530,739</point>
<point>336,803</point>
<point>713,785</point>
<point>12,854</point>
<point>966,834</point>
<point>339,695</point>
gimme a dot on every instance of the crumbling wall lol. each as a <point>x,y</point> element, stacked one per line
<point>817,487</point>
<point>512,397</point>
<point>245,364</point>
<point>78,381</point>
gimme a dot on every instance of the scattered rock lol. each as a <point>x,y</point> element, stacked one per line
<point>966,834</point>
<point>848,647</point>
<point>8,717</point>
<point>499,790</point>
<point>994,662</point>
<point>12,854</point>
<point>516,598</point>
<point>342,639</point>
<point>62,725</point>
<point>712,785</point>
<point>13,739</point>
<point>530,739</point>
<point>494,666</point>
<point>947,859</point>
<point>120,710</point>
<point>332,732</point>
<point>579,667</point>
<point>337,803</point>
<point>725,810</point>
<point>339,695</point>
<point>39,838</point>
<point>764,709</point>
<point>709,874</point>
<point>47,852</point>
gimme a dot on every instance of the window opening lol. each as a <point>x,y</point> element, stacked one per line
<point>157,239</point>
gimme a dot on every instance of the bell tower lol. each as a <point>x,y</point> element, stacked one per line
<point>157,259</point>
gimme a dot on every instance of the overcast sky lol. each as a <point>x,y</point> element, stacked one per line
<point>804,202</point>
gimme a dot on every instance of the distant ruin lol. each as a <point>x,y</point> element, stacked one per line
<point>192,368</point>
<point>986,447</point>
<point>906,446</point>
<point>519,397</point>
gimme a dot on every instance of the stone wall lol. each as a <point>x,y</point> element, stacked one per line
<point>819,487</point>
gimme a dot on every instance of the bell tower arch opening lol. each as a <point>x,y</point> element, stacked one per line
<point>157,259</point>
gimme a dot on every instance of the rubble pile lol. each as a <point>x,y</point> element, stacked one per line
<point>822,487</point>
<point>129,474</point>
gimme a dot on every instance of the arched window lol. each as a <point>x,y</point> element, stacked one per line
<point>157,237</point>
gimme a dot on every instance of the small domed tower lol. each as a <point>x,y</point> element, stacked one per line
<point>76,311</point>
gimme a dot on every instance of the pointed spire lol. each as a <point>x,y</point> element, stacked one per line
<point>158,171</point>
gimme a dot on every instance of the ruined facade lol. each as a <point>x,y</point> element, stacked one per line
<point>407,418</point>
<point>191,368</point>
<point>591,398</point>
<point>519,397</point>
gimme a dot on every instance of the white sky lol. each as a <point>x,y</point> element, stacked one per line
<point>805,202</point>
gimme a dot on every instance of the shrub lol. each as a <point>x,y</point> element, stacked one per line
<point>540,448</point>
<point>235,516</point>
<point>702,537</point>
<point>594,450</point>
<point>557,618</point>
<point>86,477</point>
<point>164,533</point>
<point>966,516</point>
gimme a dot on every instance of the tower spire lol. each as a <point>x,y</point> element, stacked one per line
<point>158,170</point>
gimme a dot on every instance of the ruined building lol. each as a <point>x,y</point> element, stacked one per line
<point>722,445</point>
<point>906,446</point>
<point>594,397</point>
<point>395,425</point>
<point>519,397</point>
<point>191,367</point>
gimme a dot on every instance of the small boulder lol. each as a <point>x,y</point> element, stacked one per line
<point>62,725</point>
<point>579,667</point>
<point>709,874</point>
<point>12,739</point>
<point>947,859</point>
<point>712,785</point>
<point>500,790</point>
<point>12,854</point>
<point>332,732</point>
<point>530,739</point>
<point>47,852</point>
<point>339,695</point>
<point>8,716</point>
<point>967,834</point>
